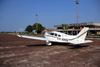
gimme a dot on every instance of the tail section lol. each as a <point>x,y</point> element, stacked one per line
<point>82,34</point>
<point>80,38</point>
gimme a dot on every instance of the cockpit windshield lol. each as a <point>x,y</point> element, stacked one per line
<point>51,33</point>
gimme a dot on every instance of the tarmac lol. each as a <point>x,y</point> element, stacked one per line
<point>22,52</point>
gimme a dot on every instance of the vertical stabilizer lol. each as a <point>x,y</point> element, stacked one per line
<point>82,34</point>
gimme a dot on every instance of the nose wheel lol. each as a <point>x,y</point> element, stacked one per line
<point>48,43</point>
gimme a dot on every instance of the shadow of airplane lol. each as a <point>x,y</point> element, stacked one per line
<point>78,46</point>
<point>36,45</point>
<point>61,44</point>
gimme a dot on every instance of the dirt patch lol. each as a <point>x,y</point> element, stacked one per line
<point>22,52</point>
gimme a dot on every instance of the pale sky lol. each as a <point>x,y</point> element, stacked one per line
<point>18,14</point>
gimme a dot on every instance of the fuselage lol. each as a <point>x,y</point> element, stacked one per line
<point>58,37</point>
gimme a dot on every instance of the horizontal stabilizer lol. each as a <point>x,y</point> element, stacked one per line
<point>32,37</point>
<point>77,42</point>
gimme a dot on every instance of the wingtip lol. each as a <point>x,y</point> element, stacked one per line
<point>19,35</point>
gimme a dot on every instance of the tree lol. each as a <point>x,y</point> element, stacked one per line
<point>29,28</point>
<point>65,26</point>
<point>39,29</point>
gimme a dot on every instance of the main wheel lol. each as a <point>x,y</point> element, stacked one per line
<point>48,43</point>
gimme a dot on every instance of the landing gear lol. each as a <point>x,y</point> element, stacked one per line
<point>48,43</point>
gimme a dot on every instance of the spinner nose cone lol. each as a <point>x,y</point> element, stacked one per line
<point>46,33</point>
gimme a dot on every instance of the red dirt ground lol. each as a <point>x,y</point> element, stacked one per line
<point>22,52</point>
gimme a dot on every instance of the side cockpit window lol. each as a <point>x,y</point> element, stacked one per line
<point>55,34</point>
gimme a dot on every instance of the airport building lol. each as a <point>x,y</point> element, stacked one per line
<point>94,28</point>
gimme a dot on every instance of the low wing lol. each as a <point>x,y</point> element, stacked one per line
<point>77,42</point>
<point>31,37</point>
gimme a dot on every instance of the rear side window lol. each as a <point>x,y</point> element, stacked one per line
<point>59,35</point>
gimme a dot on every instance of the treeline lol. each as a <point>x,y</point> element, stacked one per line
<point>37,26</point>
<point>7,32</point>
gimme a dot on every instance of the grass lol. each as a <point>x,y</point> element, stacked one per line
<point>93,37</point>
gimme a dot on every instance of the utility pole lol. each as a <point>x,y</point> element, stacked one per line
<point>36,22</point>
<point>77,2</point>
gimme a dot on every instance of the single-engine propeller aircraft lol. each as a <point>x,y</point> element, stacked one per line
<point>55,36</point>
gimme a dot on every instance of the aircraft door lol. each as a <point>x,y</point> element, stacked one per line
<point>59,38</point>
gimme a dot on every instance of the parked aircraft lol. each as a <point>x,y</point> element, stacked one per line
<point>55,36</point>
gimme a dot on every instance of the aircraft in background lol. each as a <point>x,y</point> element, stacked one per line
<point>55,36</point>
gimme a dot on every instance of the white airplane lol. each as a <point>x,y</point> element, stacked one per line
<point>55,36</point>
